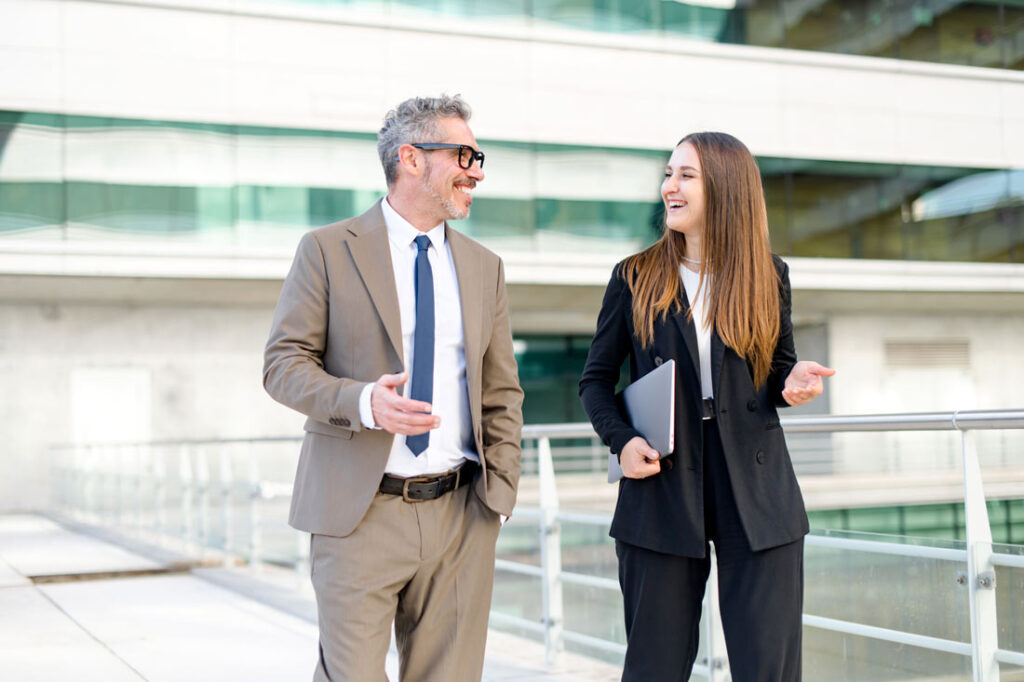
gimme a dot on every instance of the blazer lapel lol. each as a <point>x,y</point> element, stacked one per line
<point>689,332</point>
<point>717,355</point>
<point>469,271</point>
<point>372,256</point>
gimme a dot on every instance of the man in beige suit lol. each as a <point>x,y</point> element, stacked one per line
<point>392,335</point>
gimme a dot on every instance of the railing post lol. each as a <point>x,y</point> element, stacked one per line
<point>226,481</point>
<point>714,635</point>
<point>550,554</point>
<point>981,572</point>
<point>116,483</point>
<point>85,473</point>
<point>160,493</point>
<point>139,482</point>
<point>255,492</point>
<point>203,491</point>
<point>187,491</point>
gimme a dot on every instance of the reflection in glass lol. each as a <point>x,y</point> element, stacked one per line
<point>74,177</point>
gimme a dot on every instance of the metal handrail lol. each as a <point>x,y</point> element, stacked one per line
<point>960,420</point>
<point>980,558</point>
<point>112,486</point>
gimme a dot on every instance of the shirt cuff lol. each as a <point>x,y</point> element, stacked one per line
<point>365,411</point>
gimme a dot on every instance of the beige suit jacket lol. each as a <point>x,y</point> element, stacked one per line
<point>337,328</point>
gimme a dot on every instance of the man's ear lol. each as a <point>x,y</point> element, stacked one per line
<point>410,159</point>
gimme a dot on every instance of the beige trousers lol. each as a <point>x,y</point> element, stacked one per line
<point>426,566</point>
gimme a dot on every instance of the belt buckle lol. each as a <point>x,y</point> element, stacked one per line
<point>405,487</point>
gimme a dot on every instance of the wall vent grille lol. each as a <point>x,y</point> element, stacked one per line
<point>947,353</point>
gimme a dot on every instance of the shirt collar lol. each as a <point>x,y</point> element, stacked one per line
<point>401,231</point>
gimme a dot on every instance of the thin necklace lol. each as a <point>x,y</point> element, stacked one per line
<point>691,260</point>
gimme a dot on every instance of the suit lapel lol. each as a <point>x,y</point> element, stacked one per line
<point>469,271</point>
<point>372,256</point>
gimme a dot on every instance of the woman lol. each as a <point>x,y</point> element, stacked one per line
<point>710,295</point>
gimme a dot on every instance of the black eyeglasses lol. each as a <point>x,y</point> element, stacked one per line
<point>467,155</point>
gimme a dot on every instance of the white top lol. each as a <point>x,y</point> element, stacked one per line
<point>698,301</point>
<point>451,443</point>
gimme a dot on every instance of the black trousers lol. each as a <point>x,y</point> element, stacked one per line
<point>760,595</point>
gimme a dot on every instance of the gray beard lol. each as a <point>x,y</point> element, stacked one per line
<point>451,209</point>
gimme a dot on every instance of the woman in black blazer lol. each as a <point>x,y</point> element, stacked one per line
<point>711,295</point>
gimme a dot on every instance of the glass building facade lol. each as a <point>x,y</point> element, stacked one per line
<point>86,178</point>
<point>989,33</point>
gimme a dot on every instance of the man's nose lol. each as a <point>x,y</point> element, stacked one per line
<point>476,171</point>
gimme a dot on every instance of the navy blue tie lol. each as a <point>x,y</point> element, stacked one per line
<point>423,340</point>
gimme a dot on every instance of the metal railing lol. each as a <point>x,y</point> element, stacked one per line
<point>115,483</point>
<point>981,560</point>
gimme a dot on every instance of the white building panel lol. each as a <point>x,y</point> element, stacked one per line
<point>533,84</point>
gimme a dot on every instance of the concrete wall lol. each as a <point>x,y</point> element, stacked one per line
<point>114,372</point>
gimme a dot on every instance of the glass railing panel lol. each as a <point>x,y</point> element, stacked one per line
<point>594,612</point>
<point>519,539</point>
<point>1010,601</point>
<point>922,595</point>
<point>519,596</point>
<point>838,656</point>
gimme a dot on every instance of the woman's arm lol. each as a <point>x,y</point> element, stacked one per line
<point>784,358</point>
<point>791,382</point>
<point>611,345</point>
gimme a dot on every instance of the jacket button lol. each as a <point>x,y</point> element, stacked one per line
<point>344,422</point>
<point>658,362</point>
<point>752,405</point>
<point>759,457</point>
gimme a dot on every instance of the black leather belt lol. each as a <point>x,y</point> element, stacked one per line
<point>423,488</point>
<point>707,409</point>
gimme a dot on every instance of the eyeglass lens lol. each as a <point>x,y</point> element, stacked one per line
<point>467,155</point>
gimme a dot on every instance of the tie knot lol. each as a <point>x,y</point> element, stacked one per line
<point>423,242</point>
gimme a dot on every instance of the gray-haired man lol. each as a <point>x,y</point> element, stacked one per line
<point>392,335</point>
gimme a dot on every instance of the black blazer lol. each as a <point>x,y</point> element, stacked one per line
<point>665,512</point>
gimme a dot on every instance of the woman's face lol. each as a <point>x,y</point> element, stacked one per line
<point>683,191</point>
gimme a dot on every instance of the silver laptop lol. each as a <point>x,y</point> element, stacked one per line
<point>650,404</point>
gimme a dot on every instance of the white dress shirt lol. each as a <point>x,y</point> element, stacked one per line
<point>698,302</point>
<point>451,443</point>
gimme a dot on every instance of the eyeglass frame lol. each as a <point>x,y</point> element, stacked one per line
<point>474,154</point>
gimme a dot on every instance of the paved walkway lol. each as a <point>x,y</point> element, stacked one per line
<point>76,607</point>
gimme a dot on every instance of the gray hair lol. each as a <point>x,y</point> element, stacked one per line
<point>415,120</point>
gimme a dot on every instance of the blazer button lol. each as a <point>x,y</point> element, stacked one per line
<point>759,457</point>
<point>658,362</point>
<point>344,422</point>
<point>332,421</point>
<point>752,405</point>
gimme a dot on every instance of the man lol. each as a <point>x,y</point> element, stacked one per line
<point>392,335</point>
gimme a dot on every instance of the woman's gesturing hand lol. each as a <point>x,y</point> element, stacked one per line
<point>638,459</point>
<point>804,382</point>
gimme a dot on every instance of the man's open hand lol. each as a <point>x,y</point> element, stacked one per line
<point>399,415</point>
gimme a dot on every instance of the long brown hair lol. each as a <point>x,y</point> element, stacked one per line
<point>743,299</point>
